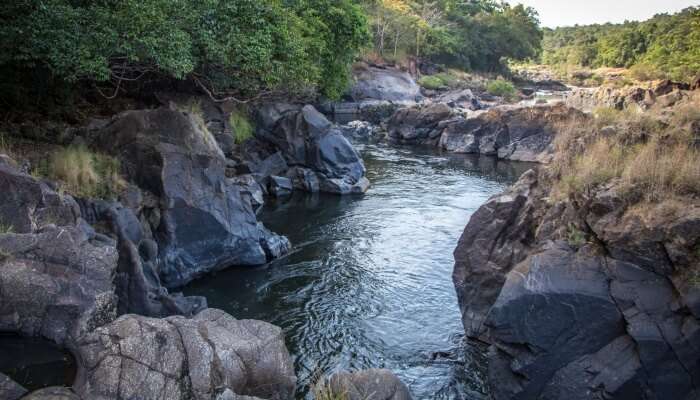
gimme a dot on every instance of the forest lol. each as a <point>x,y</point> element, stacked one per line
<point>244,49</point>
<point>665,46</point>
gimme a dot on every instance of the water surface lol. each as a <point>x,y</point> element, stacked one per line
<point>369,281</point>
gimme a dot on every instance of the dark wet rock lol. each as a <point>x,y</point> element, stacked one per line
<point>519,134</point>
<point>53,393</point>
<point>359,130</point>
<point>389,84</point>
<point>250,189</point>
<point>379,384</point>
<point>209,356</point>
<point>418,125</point>
<point>373,111</point>
<point>204,223</point>
<point>9,389</point>
<point>611,318</point>
<point>280,186</point>
<point>306,139</point>
<point>498,236</point>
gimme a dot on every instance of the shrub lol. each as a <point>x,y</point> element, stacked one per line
<point>84,173</point>
<point>431,82</point>
<point>241,128</point>
<point>502,88</point>
<point>645,72</point>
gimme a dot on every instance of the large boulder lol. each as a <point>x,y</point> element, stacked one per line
<point>582,299</point>
<point>209,356</point>
<point>57,273</point>
<point>513,133</point>
<point>375,384</point>
<point>200,221</point>
<point>418,125</point>
<point>373,83</point>
<point>306,139</point>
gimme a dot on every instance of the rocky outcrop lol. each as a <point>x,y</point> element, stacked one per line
<point>419,125</point>
<point>518,134</point>
<point>375,95</point>
<point>665,93</point>
<point>582,299</point>
<point>376,384</point>
<point>9,389</point>
<point>57,273</point>
<point>209,356</point>
<point>388,84</point>
<point>308,149</point>
<point>463,99</point>
<point>53,393</point>
<point>198,218</point>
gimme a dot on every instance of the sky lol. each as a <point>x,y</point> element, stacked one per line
<point>555,13</point>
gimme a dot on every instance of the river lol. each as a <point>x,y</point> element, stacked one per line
<point>368,283</point>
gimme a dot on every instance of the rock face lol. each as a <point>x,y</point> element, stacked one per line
<point>209,356</point>
<point>314,153</point>
<point>376,384</point>
<point>9,389</point>
<point>519,134</point>
<point>199,219</point>
<point>665,92</point>
<point>376,95</point>
<point>57,273</point>
<point>419,125</point>
<point>582,299</point>
<point>387,84</point>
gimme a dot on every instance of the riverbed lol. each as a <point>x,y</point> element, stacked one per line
<point>368,284</point>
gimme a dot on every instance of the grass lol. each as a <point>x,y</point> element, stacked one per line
<point>644,72</point>
<point>650,157</point>
<point>501,88</point>
<point>322,390</point>
<point>4,255</point>
<point>432,82</point>
<point>6,228</point>
<point>83,173</point>
<point>241,127</point>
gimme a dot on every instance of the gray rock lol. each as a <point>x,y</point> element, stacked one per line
<point>519,134</point>
<point>464,99</point>
<point>375,384</point>
<point>205,223</point>
<point>280,186</point>
<point>388,84</point>
<point>613,318</point>
<point>415,125</point>
<point>179,358</point>
<point>9,389</point>
<point>307,139</point>
<point>53,393</point>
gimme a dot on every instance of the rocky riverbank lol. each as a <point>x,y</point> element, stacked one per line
<point>95,275</point>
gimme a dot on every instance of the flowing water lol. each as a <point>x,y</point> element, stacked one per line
<point>369,283</point>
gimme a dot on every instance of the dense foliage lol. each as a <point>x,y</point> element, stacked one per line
<point>240,46</point>
<point>478,35</point>
<point>663,45</point>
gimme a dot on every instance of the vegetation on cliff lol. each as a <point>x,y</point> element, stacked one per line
<point>664,46</point>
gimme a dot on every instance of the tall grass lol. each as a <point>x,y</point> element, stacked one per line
<point>649,158</point>
<point>84,173</point>
<point>241,127</point>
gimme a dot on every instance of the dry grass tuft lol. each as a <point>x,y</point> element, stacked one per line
<point>322,390</point>
<point>84,173</point>
<point>649,158</point>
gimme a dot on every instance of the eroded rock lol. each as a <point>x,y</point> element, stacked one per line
<point>377,384</point>
<point>180,358</point>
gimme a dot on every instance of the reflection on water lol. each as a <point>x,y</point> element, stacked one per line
<point>369,281</point>
<point>35,363</point>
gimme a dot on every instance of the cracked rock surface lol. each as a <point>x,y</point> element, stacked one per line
<point>582,299</point>
<point>375,384</point>
<point>209,356</point>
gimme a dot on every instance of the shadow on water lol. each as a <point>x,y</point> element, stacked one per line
<point>35,363</point>
<point>369,282</point>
